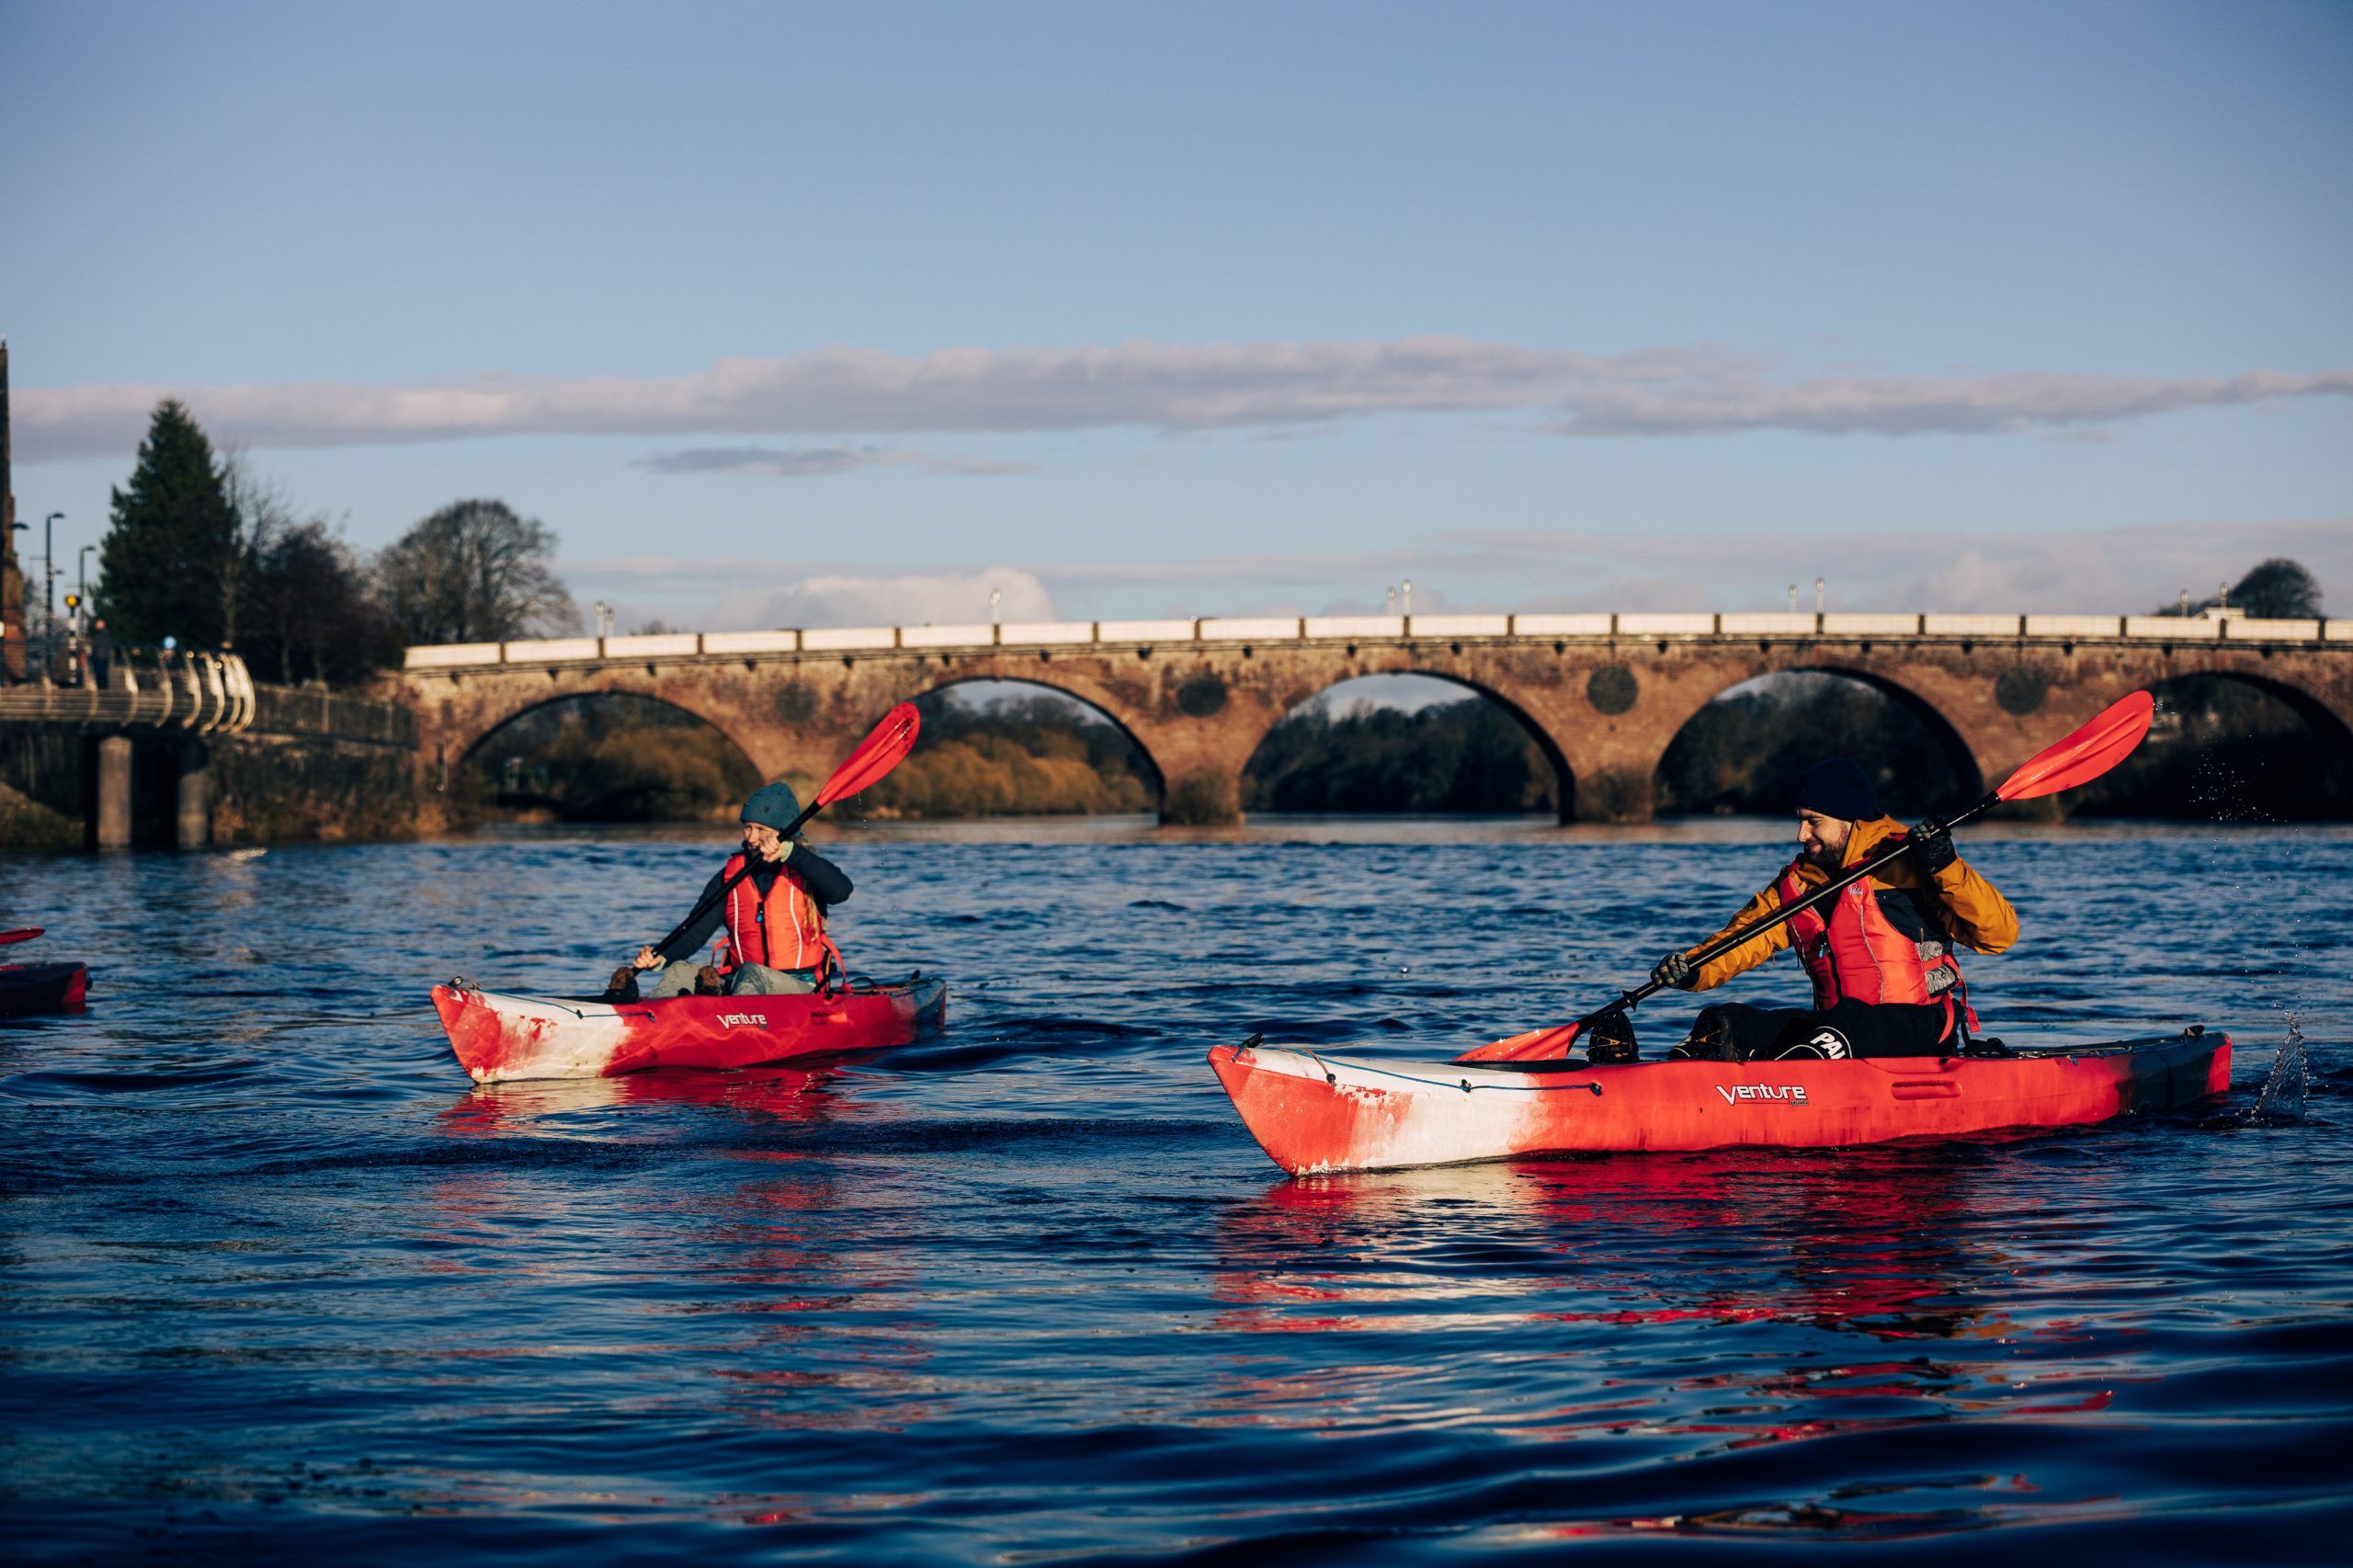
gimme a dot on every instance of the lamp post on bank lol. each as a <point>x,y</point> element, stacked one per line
<point>20,527</point>
<point>48,592</point>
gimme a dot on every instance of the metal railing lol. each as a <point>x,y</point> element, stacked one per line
<point>203,692</point>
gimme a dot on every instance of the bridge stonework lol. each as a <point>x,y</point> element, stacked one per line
<point>1603,704</point>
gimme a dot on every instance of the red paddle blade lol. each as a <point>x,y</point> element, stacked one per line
<point>27,935</point>
<point>1537,1045</point>
<point>2085,755</point>
<point>876,755</point>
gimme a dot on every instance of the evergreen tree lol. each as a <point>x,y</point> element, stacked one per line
<point>172,550</point>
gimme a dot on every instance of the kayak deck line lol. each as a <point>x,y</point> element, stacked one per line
<point>1315,1113</point>
<point>500,1036</point>
<point>1507,1082</point>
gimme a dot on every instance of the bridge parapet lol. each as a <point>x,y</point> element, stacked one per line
<point>1597,627</point>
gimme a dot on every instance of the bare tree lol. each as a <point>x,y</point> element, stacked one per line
<point>475,572</point>
<point>262,515</point>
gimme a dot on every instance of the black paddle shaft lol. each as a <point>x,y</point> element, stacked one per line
<point>1787,911</point>
<point>750,861</point>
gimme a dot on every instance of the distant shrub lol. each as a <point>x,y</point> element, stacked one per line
<point>1201,798</point>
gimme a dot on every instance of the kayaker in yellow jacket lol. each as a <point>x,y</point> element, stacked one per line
<point>1880,954</point>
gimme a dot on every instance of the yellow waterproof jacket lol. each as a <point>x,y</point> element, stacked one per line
<point>1964,906</point>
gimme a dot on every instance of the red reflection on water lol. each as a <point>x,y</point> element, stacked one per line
<point>789,1093</point>
<point>1882,1244</point>
<point>1877,1244</point>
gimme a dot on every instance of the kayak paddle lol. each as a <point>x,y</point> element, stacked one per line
<point>878,753</point>
<point>26,935</point>
<point>2080,758</point>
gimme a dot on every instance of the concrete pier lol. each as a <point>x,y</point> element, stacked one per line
<point>114,793</point>
<point>195,815</point>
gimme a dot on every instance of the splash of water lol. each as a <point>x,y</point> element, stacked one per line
<point>2283,1099</point>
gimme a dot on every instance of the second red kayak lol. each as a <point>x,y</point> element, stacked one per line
<point>499,1036</point>
<point>28,989</point>
<point>1313,1113</point>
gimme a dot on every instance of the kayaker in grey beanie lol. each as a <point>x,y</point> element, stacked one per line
<point>1881,954</point>
<point>775,917</point>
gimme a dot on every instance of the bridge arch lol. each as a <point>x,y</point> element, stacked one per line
<point>946,682</point>
<point>482,736</point>
<point>2294,753</point>
<point>1815,685</point>
<point>452,743</point>
<point>609,756</point>
<point>2331,724</point>
<point>1527,724</point>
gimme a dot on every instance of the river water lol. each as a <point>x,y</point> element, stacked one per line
<point>277,1282</point>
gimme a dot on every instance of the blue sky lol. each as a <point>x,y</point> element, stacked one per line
<point>796,314</point>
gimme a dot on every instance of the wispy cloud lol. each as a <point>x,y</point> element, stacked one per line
<point>819,463</point>
<point>1676,391</point>
<point>2103,570</point>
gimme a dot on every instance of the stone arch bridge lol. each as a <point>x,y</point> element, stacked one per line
<point>1603,695</point>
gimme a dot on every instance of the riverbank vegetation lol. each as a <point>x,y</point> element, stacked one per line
<point>1028,755</point>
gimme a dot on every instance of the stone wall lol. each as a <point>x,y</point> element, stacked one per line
<point>276,786</point>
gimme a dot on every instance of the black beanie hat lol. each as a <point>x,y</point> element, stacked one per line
<point>1838,788</point>
<point>773,804</point>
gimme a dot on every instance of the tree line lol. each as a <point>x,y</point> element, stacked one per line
<point>201,550</point>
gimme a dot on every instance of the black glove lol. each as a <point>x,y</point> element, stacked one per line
<point>1675,970</point>
<point>1932,847</point>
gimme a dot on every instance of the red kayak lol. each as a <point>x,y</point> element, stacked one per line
<point>498,1036</point>
<point>28,989</point>
<point>1313,1113</point>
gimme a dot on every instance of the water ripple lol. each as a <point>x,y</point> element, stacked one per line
<point>279,1281</point>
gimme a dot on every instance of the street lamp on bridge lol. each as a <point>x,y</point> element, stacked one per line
<point>48,591</point>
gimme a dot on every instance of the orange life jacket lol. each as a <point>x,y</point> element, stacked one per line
<point>783,930</point>
<point>1858,951</point>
